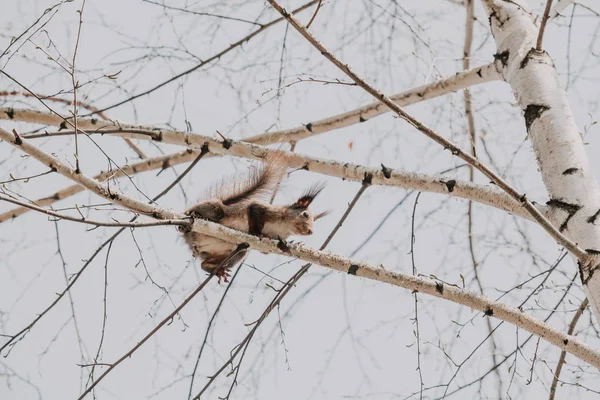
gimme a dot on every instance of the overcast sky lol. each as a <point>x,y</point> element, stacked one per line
<point>335,336</point>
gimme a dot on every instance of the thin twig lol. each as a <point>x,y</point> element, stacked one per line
<point>203,152</point>
<point>563,354</point>
<point>104,315</point>
<point>208,328</point>
<point>117,224</point>
<point>315,14</point>
<point>162,323</point>
<point>208,60</point>
<point>75,85</point>
<point>204,14</point>
<point>416,320</point>
<point>540,37</point>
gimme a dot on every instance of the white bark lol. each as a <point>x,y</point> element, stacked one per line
<point>488,195</point>
<point>411,282</point>
<point>326,259</point>
<point>89,183</point>
<point>572,187</point>
<point>460,80</point>
<point>438,88</point>
<point>142,166</point>
<point>439,139</point>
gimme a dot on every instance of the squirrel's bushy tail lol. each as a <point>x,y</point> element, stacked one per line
<point>259,183</point>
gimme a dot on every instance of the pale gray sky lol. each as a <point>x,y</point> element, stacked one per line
<point>349,337</point>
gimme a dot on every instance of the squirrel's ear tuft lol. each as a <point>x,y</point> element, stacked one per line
<point>308,196</point>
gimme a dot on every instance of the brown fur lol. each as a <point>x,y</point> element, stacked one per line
<point>238,204</point>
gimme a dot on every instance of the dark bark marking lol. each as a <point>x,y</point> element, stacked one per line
<point>227,143</point>
<point>387,172</point>
<point>439,287</point>
<point>571,209</point>
<point>535,56</point>
<point>502,57</point>
<point>533,112</point>
<point>158,137</point>
<point>570,171</point>
<point>592,219</point>
<point>450,185</point>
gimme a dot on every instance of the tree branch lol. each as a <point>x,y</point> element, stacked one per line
<point>326,259</point>
<point>447,144</point>
<point>487,195</point>
<point>572,187</point>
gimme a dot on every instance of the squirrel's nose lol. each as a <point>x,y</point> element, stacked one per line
<point>309,231</point>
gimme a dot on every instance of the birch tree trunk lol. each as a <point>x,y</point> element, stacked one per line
<point>571,185</point>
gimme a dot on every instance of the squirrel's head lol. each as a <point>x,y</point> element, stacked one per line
<point>299,213</point>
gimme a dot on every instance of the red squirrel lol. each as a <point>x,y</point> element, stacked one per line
<point>239,204</point>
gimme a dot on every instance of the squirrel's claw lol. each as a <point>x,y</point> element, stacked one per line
<point>224,275</point>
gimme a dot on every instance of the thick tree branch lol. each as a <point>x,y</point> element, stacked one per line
<point>460,80</point>
<point>89,183</point>
<point>410,282</point>
<point>142,166</point>
<point>326,259</point>
<point>581,254</point>
<point>488,195</point>
<point>412,96</point>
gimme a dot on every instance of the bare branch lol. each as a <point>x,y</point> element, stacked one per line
<point>117,224</point>
<point>423,285</point>
<point>208,60</point>
<point>581,254</point>
<point>563,354</point>
<point>380,176</point>
<point>540,37</point>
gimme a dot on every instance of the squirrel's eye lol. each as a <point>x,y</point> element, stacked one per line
<point>304,214</point>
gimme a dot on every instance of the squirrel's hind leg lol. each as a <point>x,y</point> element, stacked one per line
<point>214,261</point>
